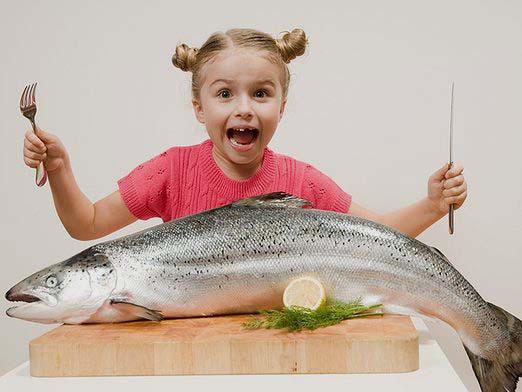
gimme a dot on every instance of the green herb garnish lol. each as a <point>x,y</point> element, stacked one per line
<point>296,318</point>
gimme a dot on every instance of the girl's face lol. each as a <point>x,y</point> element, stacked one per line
<point>240,104</point>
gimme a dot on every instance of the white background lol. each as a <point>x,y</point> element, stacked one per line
<point>368,105</point>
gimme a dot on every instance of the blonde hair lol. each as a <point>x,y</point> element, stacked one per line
<point>279,51</point>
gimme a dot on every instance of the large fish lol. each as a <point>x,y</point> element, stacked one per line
<point>239,258</point>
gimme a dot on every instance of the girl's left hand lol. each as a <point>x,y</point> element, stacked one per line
<point>447,187</point>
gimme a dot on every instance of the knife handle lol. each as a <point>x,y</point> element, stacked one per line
<point>451,214</point>
<point>451,219</point>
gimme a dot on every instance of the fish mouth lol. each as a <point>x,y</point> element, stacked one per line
<point>25,298</point>
<point>28,306</point>
<point>21,297</point>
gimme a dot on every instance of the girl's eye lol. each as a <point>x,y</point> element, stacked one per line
<point>263,94</point>
<point>227,94</point>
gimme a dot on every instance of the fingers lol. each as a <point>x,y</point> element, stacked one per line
<point>46,137</point>
<point>455,170</point>
<point>456,190</point>
<point>33,143</point>
<point>34,150</point>
<point>453,182</point>
<point>31,162</point>
<point>439,174</point>
<point>34,155</point>
<point>458,200</point>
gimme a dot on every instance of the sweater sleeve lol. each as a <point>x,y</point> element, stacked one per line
<point>323,192</point>
<point>146,189</point>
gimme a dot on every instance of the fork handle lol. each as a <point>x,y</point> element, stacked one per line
<point>41,174</point>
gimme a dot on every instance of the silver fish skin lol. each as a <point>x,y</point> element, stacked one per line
<point>240,257</point>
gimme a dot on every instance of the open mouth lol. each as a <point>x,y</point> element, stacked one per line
<point>21,297</point>
<point>22,301</point>
<point>242,136</point>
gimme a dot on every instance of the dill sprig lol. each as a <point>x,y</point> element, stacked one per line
<point>296,318</point>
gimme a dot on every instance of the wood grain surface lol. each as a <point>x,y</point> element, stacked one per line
<point>221,345</point>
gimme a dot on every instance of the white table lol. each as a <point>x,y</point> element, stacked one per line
<point>435,374</point>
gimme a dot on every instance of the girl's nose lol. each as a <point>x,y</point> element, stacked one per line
<point>244,107</point>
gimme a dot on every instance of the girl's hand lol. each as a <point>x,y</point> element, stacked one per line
<point>46,147</point>
<point>447,187</point>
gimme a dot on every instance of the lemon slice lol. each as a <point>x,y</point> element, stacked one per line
<point>307,292</point>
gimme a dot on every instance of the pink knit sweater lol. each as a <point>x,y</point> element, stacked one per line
<point>186,180</point>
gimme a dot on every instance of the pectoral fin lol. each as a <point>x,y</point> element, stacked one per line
<point>136,310</point>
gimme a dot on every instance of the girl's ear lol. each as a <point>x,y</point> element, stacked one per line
<point>283,105</point>
<point>198,111</point>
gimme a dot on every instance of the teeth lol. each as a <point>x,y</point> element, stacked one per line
<point>233,141</point>
<point>231,137</point>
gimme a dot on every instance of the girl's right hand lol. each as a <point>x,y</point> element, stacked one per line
<point>46,147</point>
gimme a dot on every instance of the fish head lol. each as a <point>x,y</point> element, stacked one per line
<point>67,292</point>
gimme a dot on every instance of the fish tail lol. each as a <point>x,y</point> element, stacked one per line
<point>501,374</point>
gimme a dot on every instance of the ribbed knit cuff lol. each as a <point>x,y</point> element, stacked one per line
<point>131,199</point>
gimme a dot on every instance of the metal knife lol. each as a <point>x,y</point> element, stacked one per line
<point>451,207</point>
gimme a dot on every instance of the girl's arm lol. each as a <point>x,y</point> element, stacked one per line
<point>445,186</point>
<point>411,220</point>
<point>82,219</point>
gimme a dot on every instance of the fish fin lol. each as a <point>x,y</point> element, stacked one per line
<point>503,372</point>
<point>137,310</point>
<point>405,311</point>
<point>274,199</point>
<point>440,253</point>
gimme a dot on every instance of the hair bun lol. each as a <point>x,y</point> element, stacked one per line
<point>184,57</point>
<point>292,44</point>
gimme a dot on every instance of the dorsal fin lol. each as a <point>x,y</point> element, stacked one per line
<point>440,254</point>
<point>274,199</point>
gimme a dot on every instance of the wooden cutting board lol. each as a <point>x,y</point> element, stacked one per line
<point>221,345</point>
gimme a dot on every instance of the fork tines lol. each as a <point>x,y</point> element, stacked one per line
<point>28,96</point>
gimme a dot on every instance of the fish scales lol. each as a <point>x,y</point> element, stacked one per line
<point>240,257</point>
<point>226,260</point>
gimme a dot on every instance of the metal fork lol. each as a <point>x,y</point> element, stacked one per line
<point>28,108</point>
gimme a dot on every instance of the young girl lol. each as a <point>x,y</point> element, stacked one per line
<point>239,87</point>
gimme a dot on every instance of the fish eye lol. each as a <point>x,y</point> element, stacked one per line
<point>51,281</point>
